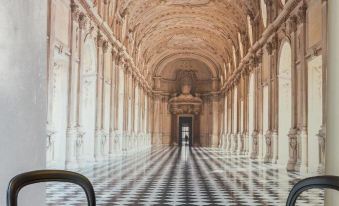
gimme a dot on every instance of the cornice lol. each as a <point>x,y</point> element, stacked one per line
<point>90,11</point>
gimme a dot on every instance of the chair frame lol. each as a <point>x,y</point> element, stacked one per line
<point>39,176</point>
<point>320,182</point>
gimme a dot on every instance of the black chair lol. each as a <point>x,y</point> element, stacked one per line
<point>22,180</point>
<point>320,182</point>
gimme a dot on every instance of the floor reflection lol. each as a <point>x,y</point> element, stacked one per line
<point>184,176</point>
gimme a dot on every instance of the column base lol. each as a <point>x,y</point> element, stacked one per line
<point>292,167</point>
<point>97,145</point>
<point>71,147</point>
<point>303,145</point>
<point>235,143</point>
<point>275,147</point>
<point>71,165</point>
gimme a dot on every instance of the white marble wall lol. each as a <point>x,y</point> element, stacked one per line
<point>23,94</point>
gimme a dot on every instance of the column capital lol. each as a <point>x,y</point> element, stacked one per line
<point>83,20</point>
<point>75,11</point>
<point>268,2</point>
<point>302,13</point>
<point>105,46</point>
<point>269,48</point>
<point>114,53</point>
<point>259,55</point>
<point>292,24</point>
<point>100,39</point>
<point>120,57</point>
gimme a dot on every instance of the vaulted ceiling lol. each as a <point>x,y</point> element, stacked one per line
<point>203,30</point>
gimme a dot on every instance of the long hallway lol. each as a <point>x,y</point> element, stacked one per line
<point>164,175</point>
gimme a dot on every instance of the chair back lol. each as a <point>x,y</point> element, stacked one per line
<point>22,180</point>
<point>320,182</point>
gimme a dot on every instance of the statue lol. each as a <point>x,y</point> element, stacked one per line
<point>268,139</point>
<point>255,145</point>
<point>293,149</point>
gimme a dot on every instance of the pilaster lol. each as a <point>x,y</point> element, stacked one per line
<point>73,87</point>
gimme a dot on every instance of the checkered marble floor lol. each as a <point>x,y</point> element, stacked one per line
<point>166,175</point>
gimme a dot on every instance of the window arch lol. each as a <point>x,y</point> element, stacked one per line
<point>263,12</point>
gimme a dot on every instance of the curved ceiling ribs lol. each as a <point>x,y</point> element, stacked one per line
<point>204,30</point>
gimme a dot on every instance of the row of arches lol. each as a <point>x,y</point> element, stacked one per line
<point>261,138</point>
<point>96,108</point>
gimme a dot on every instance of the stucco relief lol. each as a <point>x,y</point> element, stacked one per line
<point>185,102</point>
<point>164,27</point>
<point>187,2</point>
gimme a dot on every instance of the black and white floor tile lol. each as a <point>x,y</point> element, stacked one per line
<point>184,176</point>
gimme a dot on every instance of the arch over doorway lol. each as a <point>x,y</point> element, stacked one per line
<point>285,101</point>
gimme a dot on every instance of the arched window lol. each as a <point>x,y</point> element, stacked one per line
<point>241,47</point>
<point>234,57</point>
<point>250,29</point>
<point>263,12</point>
<point>285,101</point>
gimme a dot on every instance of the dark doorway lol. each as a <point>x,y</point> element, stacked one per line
<point>185,131</point>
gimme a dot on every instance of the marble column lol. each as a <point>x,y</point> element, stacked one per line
<point>260,108</point>
<point>246,111</point>
<point>113,111</point>
<point>225,131</point>
<point>125,106</point>
<point>130,122</point>
<point>106,99</point>
<point>73,84</point>
<point>119,107</point>
<point>215,120</point>
<point>80,141</point>
<point>101,43</point>
<point>322,132</point>
<point>303,104</point>
<point>293,149</point>
<point>275,99</point>
<point>255,134</point>
<point>229,121</point>
<point>50,127</point>
<point>156,123</point>
<point>269,141</point>
<point>234,119</point>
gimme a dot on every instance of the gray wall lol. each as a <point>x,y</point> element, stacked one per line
<point>332,160</point>
<point>23,26</point>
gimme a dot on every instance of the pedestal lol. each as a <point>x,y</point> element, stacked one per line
<point>71,137</point>
<point>97,145</point>
<point>275,147</point>
<point>235,143</point>
<point>260,146</point>
<point>322,146</point>
<point>293,150</point>
<point>303,142</point>
<point>268,142</point>
<point>240,143</point>
<point>255,145</point>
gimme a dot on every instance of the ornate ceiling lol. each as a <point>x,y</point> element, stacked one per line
<point>203,30</point>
